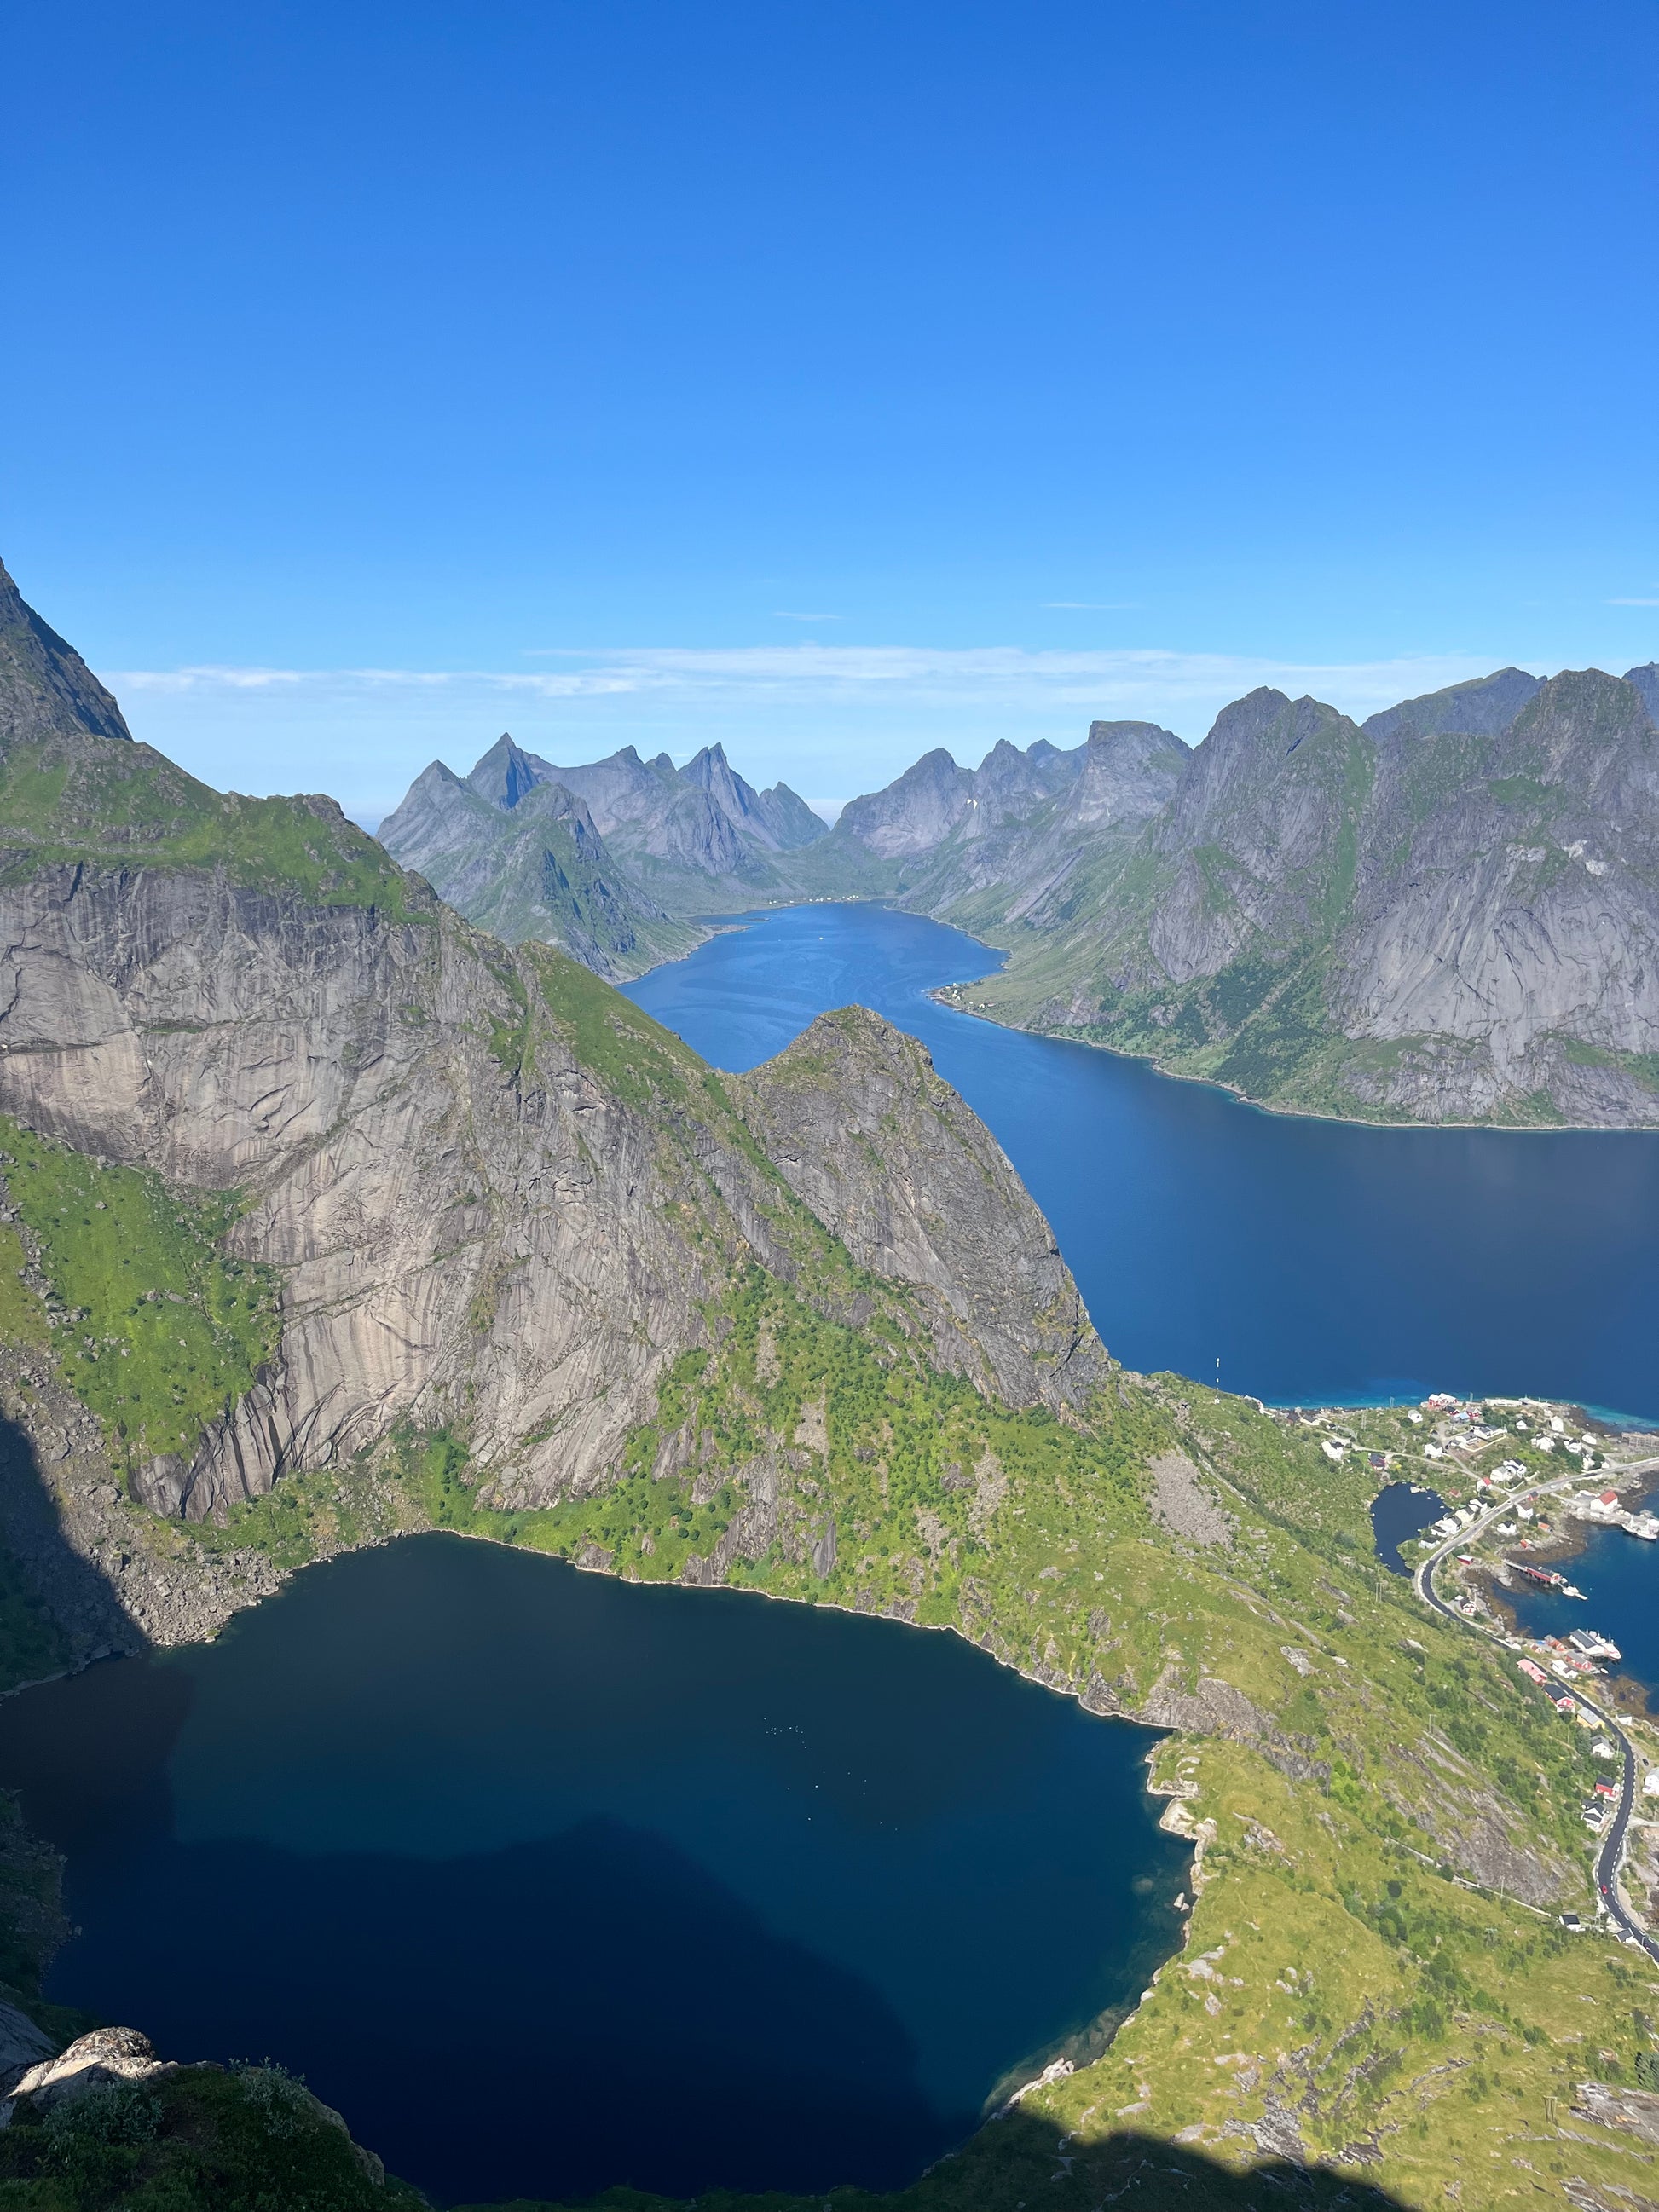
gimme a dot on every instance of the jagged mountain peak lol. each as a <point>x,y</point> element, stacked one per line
<point>932,767</point>
<point>1479,707</point>
<point>46,690</point>
<point>507,773</point>
<point>790,819</point>
<point>1253,735</point>
<point>913,813</point>
<point>1578,721</point>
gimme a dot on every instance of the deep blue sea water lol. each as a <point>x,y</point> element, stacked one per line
<point>550,1881</point>
<point>1320,1262</point>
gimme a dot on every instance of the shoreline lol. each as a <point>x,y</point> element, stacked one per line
<point>1286,1113</point>
<point>1062,2055</point>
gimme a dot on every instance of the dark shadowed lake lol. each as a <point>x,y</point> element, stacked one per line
<point>1320,1262</point>
<point>550,1881</point>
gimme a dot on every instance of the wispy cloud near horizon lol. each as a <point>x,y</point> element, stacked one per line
<point>808,670</point>
<point>830,719</point>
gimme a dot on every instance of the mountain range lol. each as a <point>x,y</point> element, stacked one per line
<point>613,860</point>
<point>328,1217</point>
<point>1448,913</point>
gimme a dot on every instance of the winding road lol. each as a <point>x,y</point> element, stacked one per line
<point>1610,1857</point>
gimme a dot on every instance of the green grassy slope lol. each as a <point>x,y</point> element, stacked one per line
<point>1345,1963</point>
<point>89,797</point>
<point>156,1329</point>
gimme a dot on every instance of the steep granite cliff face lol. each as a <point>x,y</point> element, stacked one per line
<point>493,1192</point>
<point>920,1193</point>
<point>1449,915</point>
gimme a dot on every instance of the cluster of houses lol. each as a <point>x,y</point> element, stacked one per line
<point>1459,1430</point>
<point>1566,1662</point>
<point>1607,1508</point>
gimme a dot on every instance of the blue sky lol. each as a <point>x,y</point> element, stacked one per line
<point>837,380</point>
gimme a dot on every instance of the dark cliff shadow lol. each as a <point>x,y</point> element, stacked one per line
<point>57,1608</point>
<point>502,2022</point>
<point>1024,2164</point>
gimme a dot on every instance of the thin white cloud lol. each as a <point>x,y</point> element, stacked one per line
<point>1633,603</point>
<point>788,614</point>
<point>826,718</point>
<point>996,677</point>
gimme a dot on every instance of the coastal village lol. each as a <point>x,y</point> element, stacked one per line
<point>1449,1465</point>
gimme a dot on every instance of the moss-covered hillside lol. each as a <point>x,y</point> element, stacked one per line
<point>89,797</point>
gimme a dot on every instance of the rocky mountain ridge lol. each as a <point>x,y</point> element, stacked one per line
<point>1450,914</point>
<point>1432,916</point>
<point>644,849</point>
<point>531,864</point>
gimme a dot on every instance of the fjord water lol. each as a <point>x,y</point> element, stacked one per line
<point>1320,1262</point>
<point>1615,1571</point>
<point>550,1881</point>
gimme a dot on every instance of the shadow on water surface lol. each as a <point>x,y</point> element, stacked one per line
<point>670,2034</point>
<point>571,2012</point>
<point>1025,2161</point>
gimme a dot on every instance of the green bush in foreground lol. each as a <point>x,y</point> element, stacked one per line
<point>198,2139</point>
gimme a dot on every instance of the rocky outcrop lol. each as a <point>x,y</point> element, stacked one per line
<point>118,2068</point>
<point>107,2056</point>
<point>486,1198</point>
<point>920,1192</point>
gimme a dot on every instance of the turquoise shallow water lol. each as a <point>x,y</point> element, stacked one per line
<point>1319,1261</point>
<point>551,1881</point>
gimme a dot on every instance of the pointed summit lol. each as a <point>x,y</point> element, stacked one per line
<point>46,690</point>
<point>506,773</point>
